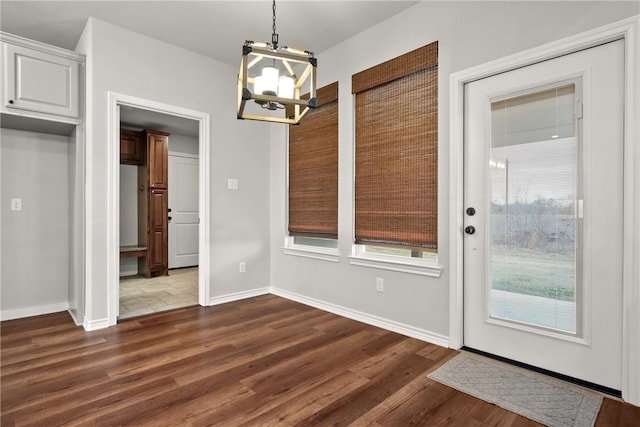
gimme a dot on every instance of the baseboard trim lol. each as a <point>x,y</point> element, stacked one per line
<point>37,310</point>
<point>237,296</point>
<point>73,317</point>
<point>93,325</point>
<point>380,322</point>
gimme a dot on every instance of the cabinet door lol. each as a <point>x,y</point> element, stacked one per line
<point>39,81</point>
<point>131,148</point>
<point>158,161</point>
<point>158,230</point>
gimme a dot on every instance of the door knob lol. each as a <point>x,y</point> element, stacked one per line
<point>470,229</point>
<point>169,218</point>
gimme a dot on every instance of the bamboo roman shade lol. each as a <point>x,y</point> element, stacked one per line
<point>396,159</point>
<point>313,169</point>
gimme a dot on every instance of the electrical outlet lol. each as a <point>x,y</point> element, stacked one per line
<point>379,284</point>
<point>16,204</point>
<point>232,183</point>
<point>242,267</point>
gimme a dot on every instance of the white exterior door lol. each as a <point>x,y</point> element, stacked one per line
<point>184,212</point>
<point>543,241</point>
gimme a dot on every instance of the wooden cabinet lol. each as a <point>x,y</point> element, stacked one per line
<point>40,78</point>
<point>158,150</point>
<point>158,231</point>
<point>132,148</point>
<point>153,203</point>
<point>150,151</point>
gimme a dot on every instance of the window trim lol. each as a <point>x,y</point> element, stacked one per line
<point>307,251</point>
<point>419,266</point>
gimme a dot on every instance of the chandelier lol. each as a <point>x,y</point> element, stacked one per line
<point>274,77</point>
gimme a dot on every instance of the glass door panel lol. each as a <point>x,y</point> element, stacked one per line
<point>535,206</point>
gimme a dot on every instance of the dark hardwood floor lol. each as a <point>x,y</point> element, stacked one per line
<point>261,361</point>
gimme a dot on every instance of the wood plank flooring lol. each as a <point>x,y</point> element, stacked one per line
<point>264,361</point>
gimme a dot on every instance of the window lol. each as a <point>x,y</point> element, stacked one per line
<point>398,252</point>
<point>313,174</point>
<point>396,159</point>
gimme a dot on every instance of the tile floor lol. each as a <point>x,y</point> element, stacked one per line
<point>140,296</point>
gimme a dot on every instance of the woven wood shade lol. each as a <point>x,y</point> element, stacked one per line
<point>313,169</point>
<point>396,183</point>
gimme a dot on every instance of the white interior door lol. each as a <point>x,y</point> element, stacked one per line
<point>543,249</point>
<point>184,212</point>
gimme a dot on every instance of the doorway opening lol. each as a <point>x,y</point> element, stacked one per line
<point>158,261</point>
<point>159,256</point>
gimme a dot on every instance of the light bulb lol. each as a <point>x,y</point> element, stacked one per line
<point>269,80</point>
<point>258,85</point>
<point>285,87</point>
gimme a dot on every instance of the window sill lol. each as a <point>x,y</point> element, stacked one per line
<point>422,268</point>
<point>323,254</point>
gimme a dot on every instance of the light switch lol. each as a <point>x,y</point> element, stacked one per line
<point>16,204</point>
<point>232,183</point>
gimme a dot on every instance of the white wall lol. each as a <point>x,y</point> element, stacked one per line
<point>76,225</point>
<point>184,144</point>
<point>135,65</point>
<point>35,240</point>
<point>469,34</point>
<point>128,216</point>
<point>249,224</point>
<point>128,205</point>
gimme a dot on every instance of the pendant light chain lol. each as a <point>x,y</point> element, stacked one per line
<point>274,35</point>
<point>274,16</point>
<point>278,85</point>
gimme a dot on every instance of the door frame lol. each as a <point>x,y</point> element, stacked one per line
<point>116,100</point>
<point>629,31</point>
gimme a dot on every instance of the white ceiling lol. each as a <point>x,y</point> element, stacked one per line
<point>216,29</point>
<point>144,119</point>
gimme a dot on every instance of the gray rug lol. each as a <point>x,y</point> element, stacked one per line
<point>539,397</point>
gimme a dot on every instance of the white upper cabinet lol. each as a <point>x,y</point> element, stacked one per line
<point>40,78</point>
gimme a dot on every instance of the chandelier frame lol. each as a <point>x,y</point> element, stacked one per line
<point>295,108</point>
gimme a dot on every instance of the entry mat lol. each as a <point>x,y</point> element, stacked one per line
<point>536,396</point>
